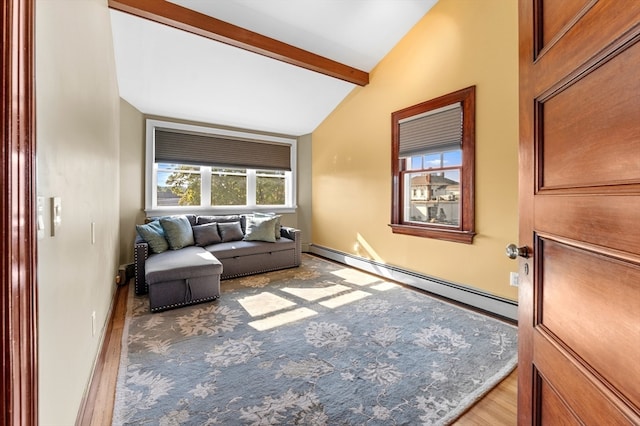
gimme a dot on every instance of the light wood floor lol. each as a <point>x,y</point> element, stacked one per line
<point>497,408</point>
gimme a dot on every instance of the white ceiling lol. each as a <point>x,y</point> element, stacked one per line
<point>168,72</point>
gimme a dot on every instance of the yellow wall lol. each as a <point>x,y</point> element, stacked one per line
<point>77,130</point>
<point>459,43</point>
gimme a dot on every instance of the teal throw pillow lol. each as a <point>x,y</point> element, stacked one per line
<point>261,229</point>
<point>153,234</point>
<point>178,232</point>
<point>278,225</point>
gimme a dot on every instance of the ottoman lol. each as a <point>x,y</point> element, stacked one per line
<point>182,277</point>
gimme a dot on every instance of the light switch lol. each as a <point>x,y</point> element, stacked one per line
<point>56,214</point>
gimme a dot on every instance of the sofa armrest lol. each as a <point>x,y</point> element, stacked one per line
<point>140,255</point>
<point>295,235</point>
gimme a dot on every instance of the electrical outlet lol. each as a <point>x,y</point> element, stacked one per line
<point>93,323</point>
<point>513,279</point>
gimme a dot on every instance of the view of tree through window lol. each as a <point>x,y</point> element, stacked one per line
<point>178,185</point>
<point>270,188</point>
<point>228,187</point>
<point>182,185</point>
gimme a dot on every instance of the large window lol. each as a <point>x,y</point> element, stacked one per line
<point>433,160</point>
<point>199,169</point>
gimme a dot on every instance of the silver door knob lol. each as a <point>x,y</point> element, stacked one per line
<point>513,251</point>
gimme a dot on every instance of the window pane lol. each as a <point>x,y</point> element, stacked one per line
<point>178,185</point>
<point>452,158</point>
<point>415,162</point>
<point>434,198</point>
<point>228,187</point>
<point>270,188</point>
<point>432,161</point>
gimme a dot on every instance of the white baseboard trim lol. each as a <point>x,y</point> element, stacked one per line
<point>467,295</point>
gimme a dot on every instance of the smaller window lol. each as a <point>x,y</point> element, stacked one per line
<point>433,159</point>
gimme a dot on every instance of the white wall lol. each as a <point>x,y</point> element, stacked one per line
<point>77,116</point>
<point>132,158</point>
<point>304,190</point>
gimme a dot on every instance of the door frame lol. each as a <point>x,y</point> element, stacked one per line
<point>19,402</point>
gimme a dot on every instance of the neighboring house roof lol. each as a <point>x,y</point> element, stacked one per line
<point>433,180</point>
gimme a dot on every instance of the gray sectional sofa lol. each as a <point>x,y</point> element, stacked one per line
<point>180,260</point>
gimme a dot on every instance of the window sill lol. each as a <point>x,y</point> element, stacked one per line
<point>452,235</point>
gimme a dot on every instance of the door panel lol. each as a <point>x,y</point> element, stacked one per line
<point>553,410</point>
<point>589,219</point>
<point>579,307</point>
<point>576,120</point>
<point>589,401</point>
<point>557,17</point>
<point>578,294</point>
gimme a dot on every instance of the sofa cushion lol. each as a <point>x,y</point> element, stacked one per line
<point>246,248</point>
<point>153,234</point>
<point>261,229</point>
<point>206,234</point>
<point>178,232</point>
<point>230,231</point>
<point>188,262</point>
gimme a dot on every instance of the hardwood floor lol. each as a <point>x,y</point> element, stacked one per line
<point>497,408</point>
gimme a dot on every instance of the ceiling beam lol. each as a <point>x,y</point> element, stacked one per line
<point>179,17</point>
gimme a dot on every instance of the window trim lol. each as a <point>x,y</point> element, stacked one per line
<point>151,207</point>
<point>466,230</point>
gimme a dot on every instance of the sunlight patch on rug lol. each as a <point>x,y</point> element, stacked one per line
<point>354,276</point>
<point>385,286</point>
<point>264,303</point>
<point>311,294</point>
<point>282,319</point>
<point>345,299</point>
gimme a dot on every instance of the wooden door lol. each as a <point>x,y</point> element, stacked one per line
<point>18,286</point>
<point>579,319</point>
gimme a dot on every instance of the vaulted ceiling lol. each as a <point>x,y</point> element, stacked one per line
<point>270,65</point>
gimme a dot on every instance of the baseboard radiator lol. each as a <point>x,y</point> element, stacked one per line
<point>499,306</point>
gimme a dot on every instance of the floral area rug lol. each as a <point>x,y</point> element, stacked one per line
<point>322,344</point>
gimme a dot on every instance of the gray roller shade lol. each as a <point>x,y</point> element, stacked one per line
<point>436,131</point>
<point>181,147</point>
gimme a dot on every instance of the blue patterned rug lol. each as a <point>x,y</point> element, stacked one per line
<point>322,344</point>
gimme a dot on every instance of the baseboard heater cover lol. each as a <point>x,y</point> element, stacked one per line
<point>467,295</point>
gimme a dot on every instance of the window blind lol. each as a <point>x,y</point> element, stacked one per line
<point>182,147</point>
<point>437,130</point>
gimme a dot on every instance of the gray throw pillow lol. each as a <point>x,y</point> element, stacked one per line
<point>222,219</point>
<point>261,229</point>
<point>230,231</point>
<point>178,232</point>
<point>206,234</point>
<point>153,234</point>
